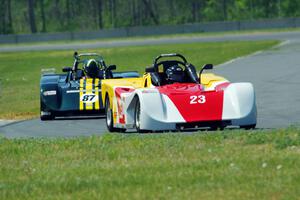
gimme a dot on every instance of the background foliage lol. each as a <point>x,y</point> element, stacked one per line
<point>31,16</point>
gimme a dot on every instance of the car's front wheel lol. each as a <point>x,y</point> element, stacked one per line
<point>215,128</point>
<point>110,118</point>
<point>137,117</point>
<point>45,114</point>
<point>47,117</point>
<point>248,127</point>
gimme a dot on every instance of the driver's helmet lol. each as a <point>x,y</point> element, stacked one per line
<point>174,74</point>
<point>91,68</point>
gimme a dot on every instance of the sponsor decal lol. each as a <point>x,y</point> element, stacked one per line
<point>49,93</point>
<point>72,91</point>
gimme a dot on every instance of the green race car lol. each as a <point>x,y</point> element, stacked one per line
<point>78,90</point>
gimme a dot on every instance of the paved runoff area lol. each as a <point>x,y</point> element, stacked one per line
<point>275,74</point>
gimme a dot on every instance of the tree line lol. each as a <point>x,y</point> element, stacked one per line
<point>33,16</point>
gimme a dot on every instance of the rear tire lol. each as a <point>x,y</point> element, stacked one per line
<point>110,118</point>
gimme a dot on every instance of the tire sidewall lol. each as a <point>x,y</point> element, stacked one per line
<point>45,117</point>
<point>137,116</point>
<point>107,109</point>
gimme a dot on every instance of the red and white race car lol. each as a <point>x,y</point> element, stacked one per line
<point>171,96</point>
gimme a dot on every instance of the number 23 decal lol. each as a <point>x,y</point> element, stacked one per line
<point>197,99</point>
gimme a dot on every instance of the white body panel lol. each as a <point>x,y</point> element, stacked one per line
<point>158,112</point>
<point>239,104</point>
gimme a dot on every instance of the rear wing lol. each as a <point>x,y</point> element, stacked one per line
<point>126,74</point>
<point>80,58</point>
<point>48,71</point>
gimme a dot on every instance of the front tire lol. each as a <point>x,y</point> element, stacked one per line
<point>137,117</point>
<point>215,128</point>
<point>110,118</point>
<point>248,127</point>
<point>48,117</point>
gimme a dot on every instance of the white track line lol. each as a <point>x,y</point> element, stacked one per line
<point>4,122</point>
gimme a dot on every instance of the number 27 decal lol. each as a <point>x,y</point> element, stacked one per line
<point>197,99</point>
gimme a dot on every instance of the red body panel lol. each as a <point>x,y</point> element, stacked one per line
<point>118,92</point>
<point>193,103</point>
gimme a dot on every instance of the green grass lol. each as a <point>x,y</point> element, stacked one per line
<point>20,72</point>
<point>207,165</point>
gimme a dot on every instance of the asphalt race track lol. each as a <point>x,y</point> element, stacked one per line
<point>276,77</point>
<point>62,127</point>
<point>275,74</point>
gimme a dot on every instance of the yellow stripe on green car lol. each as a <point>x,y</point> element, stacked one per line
<point>81,85</point>
<point>96,89</point>
<point>89,91</point>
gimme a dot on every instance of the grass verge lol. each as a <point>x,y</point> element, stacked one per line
<point>261,164</point>
<point>20,72</point>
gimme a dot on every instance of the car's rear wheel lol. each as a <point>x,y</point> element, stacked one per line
<point>110,118</point>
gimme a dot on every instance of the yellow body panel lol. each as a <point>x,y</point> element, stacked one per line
<point>97,106</point>
<point>108,85</point>
<point>209,79</point>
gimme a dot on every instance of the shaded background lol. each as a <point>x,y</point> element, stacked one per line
<point>34,16</point>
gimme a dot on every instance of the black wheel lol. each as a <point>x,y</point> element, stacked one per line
<point>248,127</point>
<point>215,128</point>
<point>137,117</point>
<point>44,117</point>
<point>47,117</point>
<point>110,118</point>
